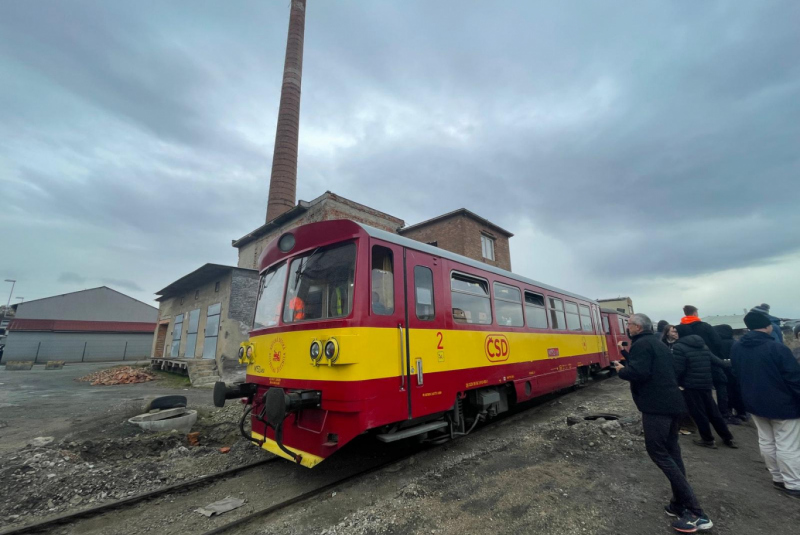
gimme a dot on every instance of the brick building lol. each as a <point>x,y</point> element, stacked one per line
<point>325,207</point>
<point>465,233</point>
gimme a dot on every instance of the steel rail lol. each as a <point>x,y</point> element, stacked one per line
<point>335,484</point>
<point>100,509</point>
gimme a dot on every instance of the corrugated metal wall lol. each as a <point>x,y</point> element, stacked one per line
<point>77,347</point>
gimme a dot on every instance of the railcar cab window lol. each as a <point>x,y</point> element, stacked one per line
<point>606,326</point>
<point>586,318</point>
<point>508,305</point>
<point>270,291</point>
<point>621,325</point>
<point>471,302</point>
<point>423,293</point>
<point>573,318</point>
<point>557,319</point>
<point>382,281</point>
<point>535,311</point>
<point>320,284</point>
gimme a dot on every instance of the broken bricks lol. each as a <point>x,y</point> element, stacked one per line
<point>193,438</point>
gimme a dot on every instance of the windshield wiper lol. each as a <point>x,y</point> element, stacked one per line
<point>303,266</point>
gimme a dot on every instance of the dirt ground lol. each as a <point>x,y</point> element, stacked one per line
<point>536,474</point>
<point>532,473</point>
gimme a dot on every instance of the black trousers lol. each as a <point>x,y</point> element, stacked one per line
<point>705,413</point>
<point>735,395</point>
<point>661,442</point>
<point>723,400</point>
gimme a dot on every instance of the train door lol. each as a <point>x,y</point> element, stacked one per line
<point>600,330</point>
<point>388,310</point>
<point>427,338</point>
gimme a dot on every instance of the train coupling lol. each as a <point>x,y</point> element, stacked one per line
<point>223,392</point>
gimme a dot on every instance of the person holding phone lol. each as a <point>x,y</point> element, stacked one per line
<point>654,388</point>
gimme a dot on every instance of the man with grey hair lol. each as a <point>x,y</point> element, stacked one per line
<point>655,391</point>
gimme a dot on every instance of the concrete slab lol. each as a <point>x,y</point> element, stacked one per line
<point>19,365</point>
<point>54,365</point>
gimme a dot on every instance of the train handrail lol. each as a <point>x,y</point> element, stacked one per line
<point>402,357</point>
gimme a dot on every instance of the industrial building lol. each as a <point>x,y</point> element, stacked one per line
<point>99,324</point>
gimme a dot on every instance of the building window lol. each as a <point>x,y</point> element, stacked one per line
<point>586,318</point>
<point>176,336</point>
<point>212,331</point>
<point>535,311</point>
<point>573,318</point>
<point>382,281</point>
<point>557,319</point>
<point>435,243</point>
<point>216,287</point>
<point>508,305</point>
<point>423,293</point>
<point>471,301</point>
<point>191,332</point>
<point>487,247</point>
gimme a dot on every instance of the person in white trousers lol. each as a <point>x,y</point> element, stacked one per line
<point>769,379</point>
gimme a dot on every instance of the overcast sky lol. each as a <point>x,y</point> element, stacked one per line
<point>649,149</point>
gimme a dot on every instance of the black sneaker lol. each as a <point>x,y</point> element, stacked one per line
<point>706,444</point>
<point>688,523</point>
<point>779,485</point>
<point>673,510</point>
<point>732,444</point>
<point>792,493</point>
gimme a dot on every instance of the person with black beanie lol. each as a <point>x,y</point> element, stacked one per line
<point>693,362</point>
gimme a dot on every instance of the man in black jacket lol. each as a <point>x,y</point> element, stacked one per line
<point>702,329</point>
<point>693,363</point>
<point>734,397</point>
<point>656,394</point>
<point>769,378</point>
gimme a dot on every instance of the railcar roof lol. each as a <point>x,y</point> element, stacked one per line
<point>441,253</point>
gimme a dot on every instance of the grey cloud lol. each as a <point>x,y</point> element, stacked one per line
<point>67,277</point>
<point>144,136</point>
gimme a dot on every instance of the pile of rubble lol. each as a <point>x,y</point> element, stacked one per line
<point>53,477</point>
<point>121,375</point>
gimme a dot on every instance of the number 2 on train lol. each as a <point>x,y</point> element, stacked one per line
<point>441,338</point>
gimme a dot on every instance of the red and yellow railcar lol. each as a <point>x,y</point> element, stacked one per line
<point>358,329</point>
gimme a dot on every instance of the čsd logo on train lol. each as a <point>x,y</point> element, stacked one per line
<point>497,348</point>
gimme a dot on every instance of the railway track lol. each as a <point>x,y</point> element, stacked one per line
<point>45,525</point>
<point>63,520</point>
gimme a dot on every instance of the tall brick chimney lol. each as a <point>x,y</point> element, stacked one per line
<point>283,180</point>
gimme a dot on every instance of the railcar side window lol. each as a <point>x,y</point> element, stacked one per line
<point>382,281</point>
<point>586,318</point>
<point>471,301</point>
<point>606,326</point>
<point>423,293</point>
<point>320,284</point>
<point>573,318</point>
<point>557,319</point>
<point>535,311</point>
<point>508,305</point>
<point>270,291</point>
<point>621,325</point>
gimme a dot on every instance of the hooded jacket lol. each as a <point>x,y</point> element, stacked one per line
<point>652,377</point>
<point>768,376</point>
<point>693,363</point>
<point>704,331</point>
<point>725,333</point>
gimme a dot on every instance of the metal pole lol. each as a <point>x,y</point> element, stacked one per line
<point>125,351</point>
<point>8,303</point>
<point>37,352</point>
<point>84,350</point>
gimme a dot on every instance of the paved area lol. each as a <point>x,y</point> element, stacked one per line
<point>52,403</point>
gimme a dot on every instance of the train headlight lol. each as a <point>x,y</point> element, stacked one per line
<point>315,351</point>
<point>249,353</point>
<point>332,350</point>
<point>241,355</point>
